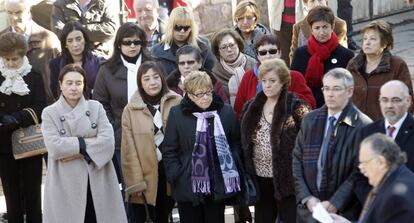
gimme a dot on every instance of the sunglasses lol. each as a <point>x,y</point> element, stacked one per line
<point>264,52</point>
<point>129,42</point>
<point>179,28</point>
<point>190,62</point>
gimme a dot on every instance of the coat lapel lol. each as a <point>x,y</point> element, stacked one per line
<point>405,131</point>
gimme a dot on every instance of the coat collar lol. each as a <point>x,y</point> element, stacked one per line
<point>359,62</point>
<point>66,109</point>
<point>138,103</point>
<point>349,115</point>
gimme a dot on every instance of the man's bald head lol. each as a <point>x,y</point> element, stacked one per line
<point>395,100</point>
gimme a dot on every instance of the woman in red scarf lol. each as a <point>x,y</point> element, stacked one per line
<point>322,53</point>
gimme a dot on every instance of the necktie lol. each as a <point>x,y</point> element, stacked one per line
<point>326,140</point>
<point>390,130</point>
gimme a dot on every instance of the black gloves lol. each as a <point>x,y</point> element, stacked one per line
<point>9,122</point>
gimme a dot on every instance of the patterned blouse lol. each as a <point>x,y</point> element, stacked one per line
<point>262,150</point>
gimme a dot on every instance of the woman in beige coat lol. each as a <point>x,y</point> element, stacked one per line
<point>81,184</point>
<point>143,123</point>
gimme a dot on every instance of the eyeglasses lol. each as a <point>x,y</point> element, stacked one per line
<point>130,42</point>
<point>366,161</point>
<point>189,62</point>
<point>208,93</point>
<point>394,100</point>
<point>248,18</point>
<point>264,52</point>
<point>227,46</point>
<point>333,89</point>
<point>181,28</point>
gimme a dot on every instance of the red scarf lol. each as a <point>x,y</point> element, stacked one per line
<point>320,52</point>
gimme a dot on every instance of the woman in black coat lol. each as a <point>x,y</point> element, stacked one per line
<point>20,88</point>
<point>200,152</point>
<point>270,123</point>
<point>322,53</point>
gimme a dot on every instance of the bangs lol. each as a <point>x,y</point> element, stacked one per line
<point>183,21</point>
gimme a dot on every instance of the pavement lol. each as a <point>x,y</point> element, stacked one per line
<point>403,29</point>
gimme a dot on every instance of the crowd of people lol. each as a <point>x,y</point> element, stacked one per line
<point>142,116</point>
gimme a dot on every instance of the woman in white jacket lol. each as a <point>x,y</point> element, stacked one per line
<point>81,183</point>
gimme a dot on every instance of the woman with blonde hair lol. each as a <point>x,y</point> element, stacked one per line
<point>181,30</point>
<point>270,123</point>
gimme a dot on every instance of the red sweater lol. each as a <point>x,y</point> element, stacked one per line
<point>248,85</point>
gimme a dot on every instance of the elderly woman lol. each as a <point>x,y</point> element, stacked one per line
<point>200,152</point>
<point>76,48</point>
<point>143,123</point>
<point>189,59</point>
<point>382,162</point>
<point>374,66</point>
<point>246,17</point>
<point>116,82</point>
<point>269,48</point>
<point>181,30</point>
<point>228,47</point>
<point>322,53</point>
<point>269,124</point>
<point>20,88</point>
<point>81,183</point>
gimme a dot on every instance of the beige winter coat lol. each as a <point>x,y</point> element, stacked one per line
<point>138,153</point>
<point>67,176</point>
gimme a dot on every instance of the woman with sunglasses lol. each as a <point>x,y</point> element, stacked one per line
<point>200,152</point>
<point>228,47</point>
<point>246,17</point>
<point>181,30</point>
<point>268,47</point>
<point>76,48</point>
<point>189,59</point>
<point>117,79</point>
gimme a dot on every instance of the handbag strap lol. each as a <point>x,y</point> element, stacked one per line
<point>148,219</point>
<point>33,114</point>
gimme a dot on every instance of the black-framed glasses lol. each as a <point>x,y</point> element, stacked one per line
<point>264,52</point>
<point>208,93</point>
<point>335,89</point>
<point>181,28</point>
<point>227,46</point>
<point>189,62</point>
<point>130,42</point>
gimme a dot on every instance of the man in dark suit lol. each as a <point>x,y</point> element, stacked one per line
<point>390,200</point>
<point>397,123</point>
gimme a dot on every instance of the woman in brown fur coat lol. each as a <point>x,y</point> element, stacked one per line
<point>270,123</point>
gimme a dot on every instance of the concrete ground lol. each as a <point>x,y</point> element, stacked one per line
<point>403,28</point>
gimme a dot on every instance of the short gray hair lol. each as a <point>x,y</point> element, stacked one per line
<point>342,74</point>
<point>154,3</point>
<point>385,146</point>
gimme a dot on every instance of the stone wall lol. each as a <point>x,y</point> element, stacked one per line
<point>213,15</point>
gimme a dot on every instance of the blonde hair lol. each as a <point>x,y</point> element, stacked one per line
<point>197,80</point>
<point>242,8</point>
<point>280,68</point>
<point>182,16</point>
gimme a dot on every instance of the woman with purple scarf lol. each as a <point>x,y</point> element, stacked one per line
<point>76,48</point>
<point>200,152</point>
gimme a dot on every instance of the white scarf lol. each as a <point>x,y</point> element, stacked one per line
<point>237,69</point>
<point>14,82</point>
<point>132,75</point>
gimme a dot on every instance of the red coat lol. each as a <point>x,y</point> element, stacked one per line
<point>248,85</point>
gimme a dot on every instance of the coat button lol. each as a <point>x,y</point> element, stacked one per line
<point>62,132</point>
<point>62,118</point>
<point>88,113</point>
<point>94,125</point>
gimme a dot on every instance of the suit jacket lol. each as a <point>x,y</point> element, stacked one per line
<point>404,139</point>
<point>394,201</point>
<point>43,46</point>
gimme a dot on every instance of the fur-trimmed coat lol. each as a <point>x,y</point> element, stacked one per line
<point>287,117</point>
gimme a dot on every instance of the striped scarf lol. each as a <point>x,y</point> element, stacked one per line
<point>203,153</point>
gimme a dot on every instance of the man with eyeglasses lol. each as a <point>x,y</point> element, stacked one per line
<point>397,123</point>
<point>325,154</point>
<point>148,18</point>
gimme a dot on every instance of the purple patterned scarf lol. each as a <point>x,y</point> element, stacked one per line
<point>202,156</point>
